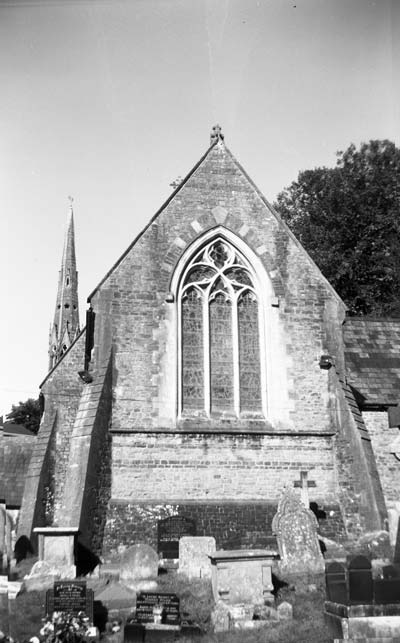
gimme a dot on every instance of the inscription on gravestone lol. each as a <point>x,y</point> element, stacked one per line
<point>170,530</point>
<point>71,597</point>
<point>168,604</point>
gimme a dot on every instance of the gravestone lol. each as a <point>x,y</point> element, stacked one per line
<point>138,563</point>
<point>336,585</point>
<point>295,527</point>
<point>285,611</point>
<point>360,581</point>
<point>386,591</point>
<point>194,556</point>
<point>170,531</point>
<point>150,605</point>
<point>70,596</point>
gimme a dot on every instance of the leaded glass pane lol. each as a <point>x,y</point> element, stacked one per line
<point>200,273</point>
<point>192,351</point>
<point>221,354</point>
<point>219,253</point>
<point>239,275</point>
<point>249,353</point>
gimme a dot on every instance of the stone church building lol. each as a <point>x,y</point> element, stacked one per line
<point>217,365</point>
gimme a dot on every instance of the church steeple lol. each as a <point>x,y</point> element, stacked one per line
<point>66,315</point>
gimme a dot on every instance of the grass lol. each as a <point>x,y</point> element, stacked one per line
<point>27,610</point>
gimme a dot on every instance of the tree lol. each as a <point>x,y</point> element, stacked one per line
<point>348,220</point>
<point>27,413</point>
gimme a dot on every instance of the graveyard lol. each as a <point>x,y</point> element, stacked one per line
<point>188,590</point>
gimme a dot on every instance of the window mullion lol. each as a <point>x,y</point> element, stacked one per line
<point>235,343</point>
<point>206,344</point>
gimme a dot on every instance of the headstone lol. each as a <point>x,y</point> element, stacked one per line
<point>220,617</point>
<point>360,581</point>
<point>154,607</point>
<point>386,591</point>
<point>70,596</point>
<point>285,611</point>
<point>295,527</point>
<point>194,556</point>
<point>170,531</point>
<point>336,585</point>
<point>134,633</point>
<point>138,563</point>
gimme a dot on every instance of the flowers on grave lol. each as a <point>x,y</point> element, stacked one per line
<point>63,627</point>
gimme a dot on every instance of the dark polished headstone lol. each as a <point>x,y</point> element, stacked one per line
<point>170,530</point>
<point>70,596</point>
<point>159,636</point>
<point>134,633</point>
<point>360,581</point>
<point>147,601</point>
<point>387,591</point>
<point>391,571</point>
<point>336,585</point>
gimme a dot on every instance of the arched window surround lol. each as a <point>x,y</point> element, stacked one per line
<point>262,287</point>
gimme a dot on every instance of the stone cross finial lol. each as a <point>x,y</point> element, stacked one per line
<point>304,485</point>
<point>216,134</point>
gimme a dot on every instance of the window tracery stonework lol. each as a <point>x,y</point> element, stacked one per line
<point>220,335</point>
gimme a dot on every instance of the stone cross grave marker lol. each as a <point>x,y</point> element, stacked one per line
<point>295,527</point>
<point>304,485</point>
<point>70,596</point>
<point>360,581</point>
<point>170,530</point>
<point>194,556</point>
<point>336,585</point>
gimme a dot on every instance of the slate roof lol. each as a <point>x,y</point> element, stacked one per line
<point>372,352</point>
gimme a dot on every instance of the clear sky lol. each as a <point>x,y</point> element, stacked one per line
<point>110,101</point>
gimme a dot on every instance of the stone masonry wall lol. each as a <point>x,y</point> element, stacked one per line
<point>388,465</point>
<point>234,525</point>
<point>61,389</point>
<point>172,468</point>
<point>143,325</point>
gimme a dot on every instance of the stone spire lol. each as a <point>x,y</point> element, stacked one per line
<point>66,315</point>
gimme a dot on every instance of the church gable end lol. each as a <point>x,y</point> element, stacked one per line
<point>209,386</point>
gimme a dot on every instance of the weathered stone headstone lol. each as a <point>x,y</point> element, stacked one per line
<point>295,527</point>
<point>150,605</point>
<point>285,611</point>
<point>336,585</point>
<point>360,581</point>
<point>70,596</point>
<point>220,617</point>
<point>194,556</point>
<point>170,531</point>
<point>138,563</point>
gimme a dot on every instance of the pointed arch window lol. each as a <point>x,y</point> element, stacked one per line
<point>220,334</point>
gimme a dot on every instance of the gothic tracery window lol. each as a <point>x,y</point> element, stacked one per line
<point>220,334</point>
